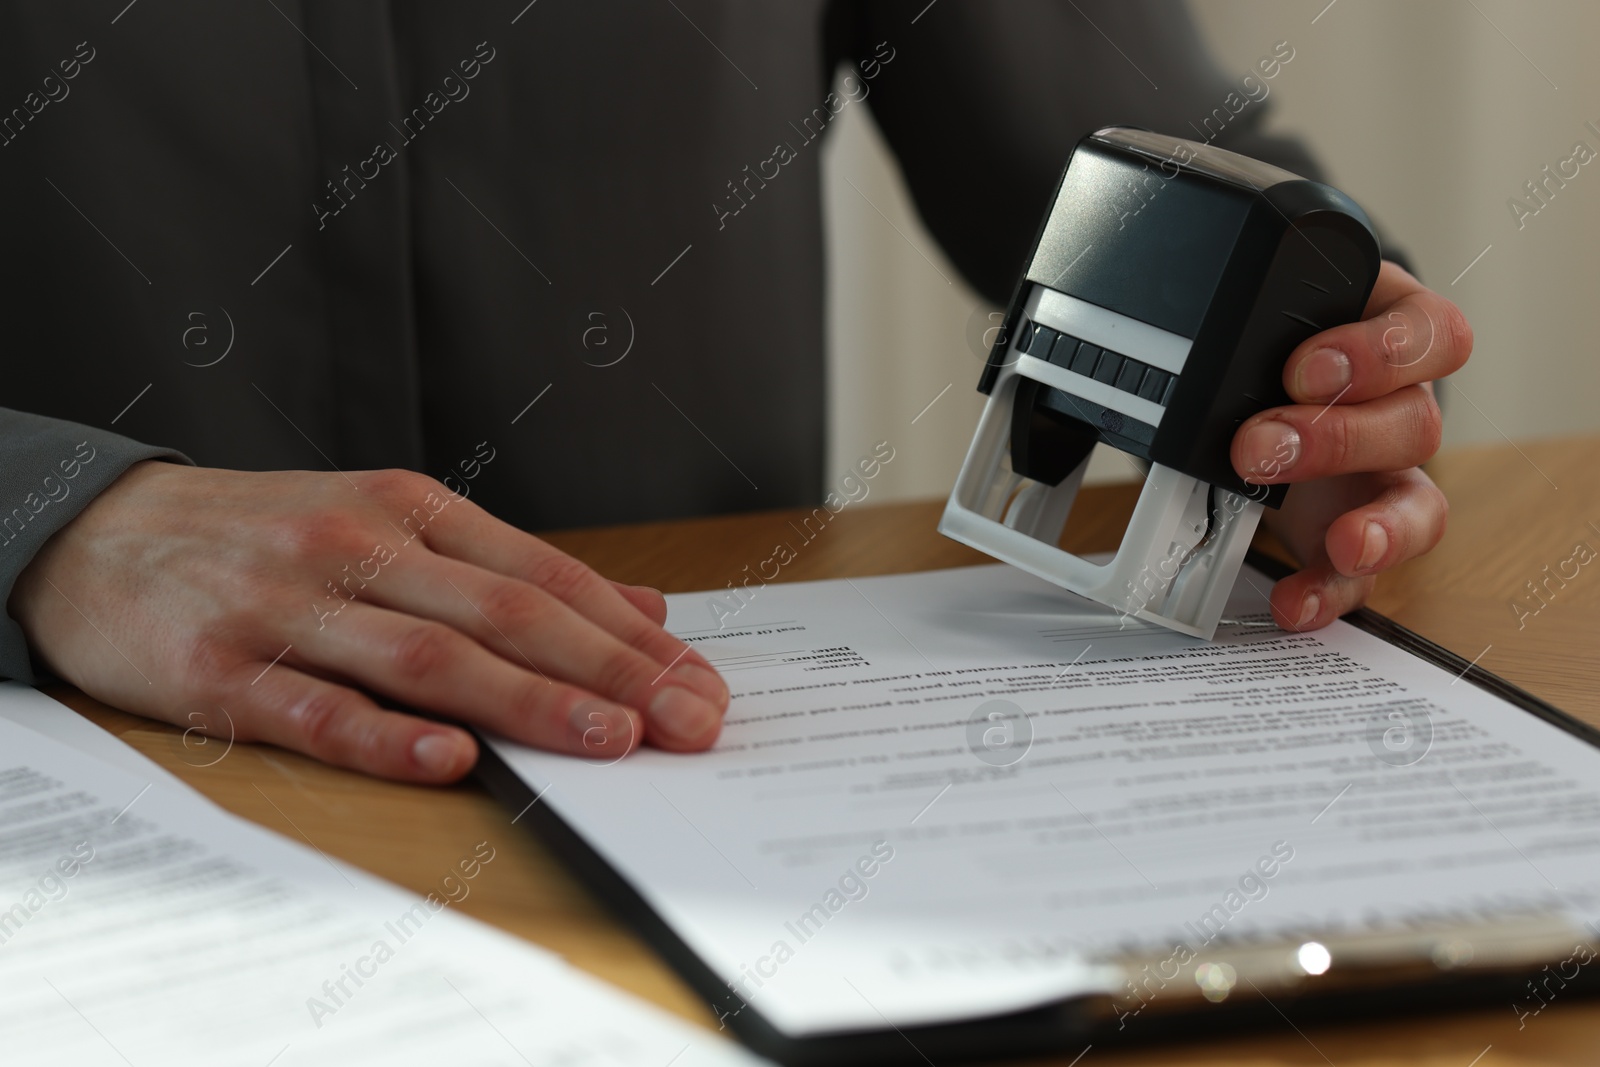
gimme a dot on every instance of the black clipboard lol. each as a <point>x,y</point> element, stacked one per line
<point>1066,1027</point>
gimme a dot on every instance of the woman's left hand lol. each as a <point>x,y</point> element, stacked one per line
<point>1364,417</point>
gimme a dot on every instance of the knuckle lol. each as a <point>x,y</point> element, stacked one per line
<point>628,669</point>
<point>1429,528</point>
<point>1456,332</point>
<point>1418,513</point>
<point>422,650</point>
<point>323,534</point>
<point>1427,424</point>
<point>210,657</point>
<point>560,575</point>
<point>532,702</point>
<point>369,747</point>
<point>1384,338</point>
<point>648,639</point>
<point>400,484</point>
<point>513,606</point>
<point>1338,442</point>
<point>1441,505</point>
<point>317,719</point>
<point>409,498</point>
<point>1397,343</point>
<point>623,668</point>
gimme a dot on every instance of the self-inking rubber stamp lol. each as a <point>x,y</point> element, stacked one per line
<point>1166,288</point>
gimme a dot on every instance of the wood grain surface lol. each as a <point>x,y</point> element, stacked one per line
<point>1516,509</point>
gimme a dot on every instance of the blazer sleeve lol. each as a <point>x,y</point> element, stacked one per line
<point>982,102</point>
<point>50,470</point>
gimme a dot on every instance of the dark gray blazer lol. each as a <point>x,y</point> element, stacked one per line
<point>364,234</point>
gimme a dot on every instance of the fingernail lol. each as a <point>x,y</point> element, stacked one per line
<point>437,753</point>
<point>1322,375</point>
<point>1374,543</point>
<point>603,728</point>
<point>681,716</point>
<point>1270,448</point>
<point>1308,611</point>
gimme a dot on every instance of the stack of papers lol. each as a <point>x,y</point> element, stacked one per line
<point>141,924</point>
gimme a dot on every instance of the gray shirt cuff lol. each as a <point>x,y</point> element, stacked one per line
<point>50,470</point>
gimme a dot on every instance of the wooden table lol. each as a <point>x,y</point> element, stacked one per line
<point>1516,509</point>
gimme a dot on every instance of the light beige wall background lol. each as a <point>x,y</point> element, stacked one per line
<point>1431,113</point>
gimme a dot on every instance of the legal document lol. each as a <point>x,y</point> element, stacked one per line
<point>28,707</point>
<point>140,924</point>
<point>953,794</point>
